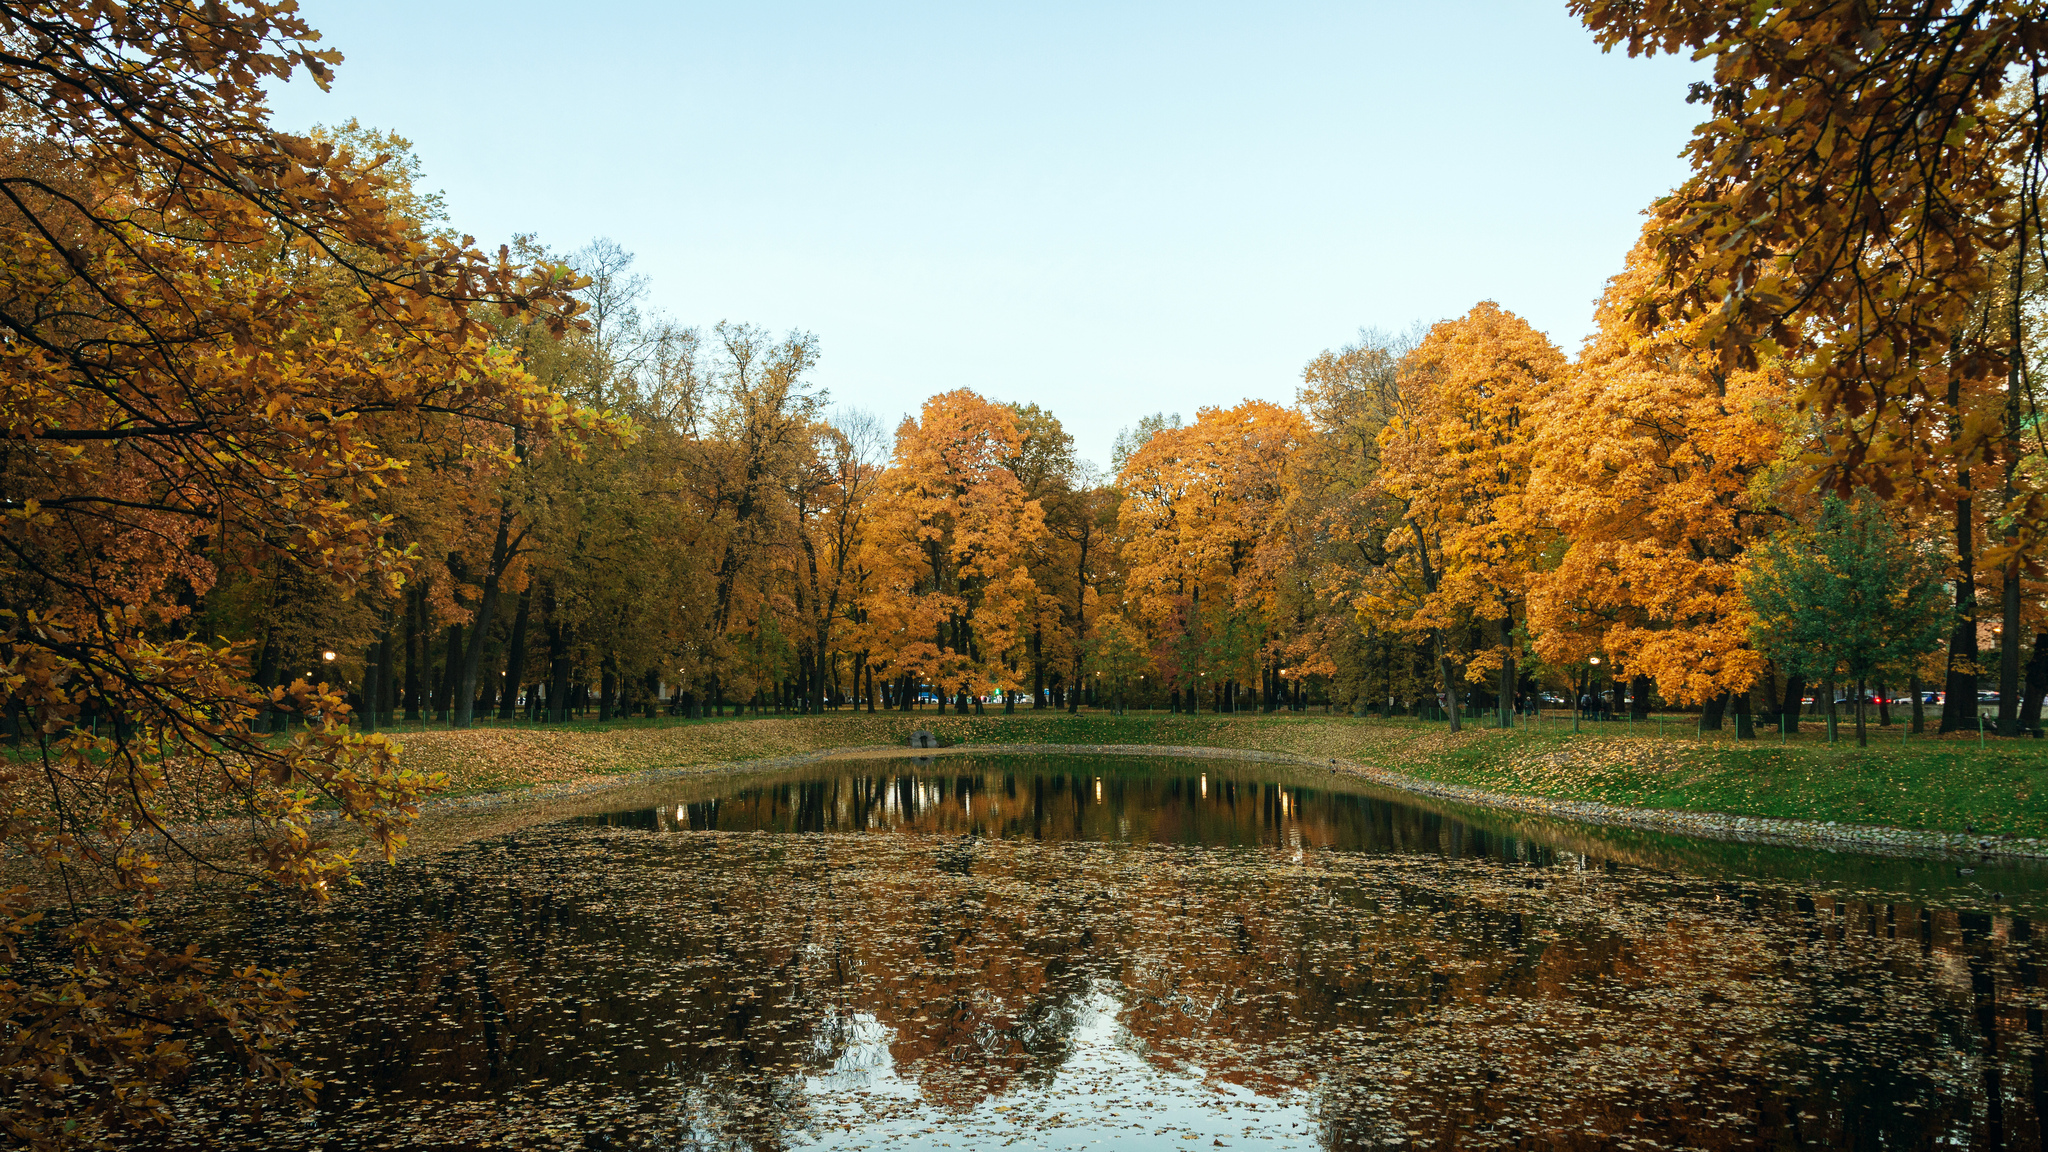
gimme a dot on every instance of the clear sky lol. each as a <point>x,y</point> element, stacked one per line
<point>1108,208</point>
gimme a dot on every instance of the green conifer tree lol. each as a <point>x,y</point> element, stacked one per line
<point>1846,597</point>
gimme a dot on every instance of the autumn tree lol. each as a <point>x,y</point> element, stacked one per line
<point>182,400</point>
<point>1197,502</point>
<point>1455,460</point>
<point>1360,565</point>
<point>1119,656</point>
<point>750,419</point>
<point>1867,180</point>
<point>1659,467</point>
<point>832,497</point>
<point>949,542</point>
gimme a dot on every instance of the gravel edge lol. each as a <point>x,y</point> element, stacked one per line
<point>1871,838</point>
<point>1829,834</point>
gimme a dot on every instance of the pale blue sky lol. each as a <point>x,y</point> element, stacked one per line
<point>1111,209</point>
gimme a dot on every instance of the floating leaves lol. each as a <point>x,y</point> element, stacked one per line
<point>1209,955</point>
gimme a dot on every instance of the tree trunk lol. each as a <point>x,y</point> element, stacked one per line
<point>1795,699</point>
<point>451,665</point>
<point>558,656</point>
<point>1443,663</point>
<point>1959,702</point>
<point>415,648</point>
<point>503,548</point>
<point>607,687</point>
<point>1884,707</point>
<point>387,674</point>
<point>1862,739</point>
<point>2015,389</point>
<point>2009,652</point>
<point>821,667</point>
<point>1919,712</point>
<point>1711,714</point>
<point>1505,706</point>
<point>2037,684</point>
<point>515,655</point>
<point>1745,728</point>
<point>1639,697</point>
<point>558,672</point>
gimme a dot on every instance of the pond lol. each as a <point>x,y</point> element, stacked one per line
<point>1064,953</point>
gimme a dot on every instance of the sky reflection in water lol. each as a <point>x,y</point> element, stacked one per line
<point>1075,953</point>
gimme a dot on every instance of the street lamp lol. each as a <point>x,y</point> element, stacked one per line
<point>327,656</point>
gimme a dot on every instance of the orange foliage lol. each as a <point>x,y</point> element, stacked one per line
<point>1656,466</point>
<point>1456,458</point>
<point>1198,502</point>
<point>949,540</point>
<point>207,324</point>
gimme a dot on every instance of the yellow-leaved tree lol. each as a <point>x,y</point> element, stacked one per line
<point>948,543</point>
<point>1198,501</point>
<point>1659,465</point>
<point>1454,460</point>
<point>208,327</point>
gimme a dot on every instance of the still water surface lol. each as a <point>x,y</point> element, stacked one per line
<point>1075,953</point>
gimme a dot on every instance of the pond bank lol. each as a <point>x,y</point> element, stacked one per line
<point>1790,794</point>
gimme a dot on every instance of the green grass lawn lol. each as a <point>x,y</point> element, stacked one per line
<point>1949,783</point>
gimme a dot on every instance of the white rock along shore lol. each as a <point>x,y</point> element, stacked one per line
<point>1710,825</point>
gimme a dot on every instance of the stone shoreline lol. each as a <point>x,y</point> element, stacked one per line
<point>1874,839</point>
<point>1870,838</point>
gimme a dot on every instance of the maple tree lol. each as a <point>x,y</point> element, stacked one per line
<point>1868,181</point>
<point>949,542</point>
<point>1197,502</point>
<point>1656,465</point>
<point>1454,458</point>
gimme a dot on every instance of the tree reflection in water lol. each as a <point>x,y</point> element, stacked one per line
<point>967,954</point>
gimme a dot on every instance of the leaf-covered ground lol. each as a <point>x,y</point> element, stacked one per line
<point>1292,969</point>
<point>1950,783</point>
<point>501,758</point>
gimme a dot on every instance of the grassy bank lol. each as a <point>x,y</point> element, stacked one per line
<point>1947,784</point>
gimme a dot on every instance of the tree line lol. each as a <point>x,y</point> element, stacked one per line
<point>1458,519</point>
